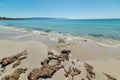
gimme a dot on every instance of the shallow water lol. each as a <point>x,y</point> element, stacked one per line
<point>107,29</point>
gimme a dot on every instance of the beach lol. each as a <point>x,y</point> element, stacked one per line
<point>59,39</point>
<point>104,59</point>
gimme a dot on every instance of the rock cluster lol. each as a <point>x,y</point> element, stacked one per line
<point>47,70</point>
<point>8,60</point>
<point>15,75</point>
<point>72,72</point>
<point>50,66</point>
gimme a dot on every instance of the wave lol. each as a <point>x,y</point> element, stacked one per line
<point>113,37</point>
<point>41,29</point>
<point>97,38</point>
<point>12,28</point>
<point>97,35</point>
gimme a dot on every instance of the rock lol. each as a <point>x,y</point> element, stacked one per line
<point>65,51</point>
<point>15,75</point>
<point>45,62</point>
<point>90,72</point>
<point>67,73</point>
<point>47,70</point>
<point>82,79</point>
<point>109,76</point>
<point>72,72</point>
<point>50,53</point>
<point>44,72</point>
<point>65,54</point>
<point>75,72</point>
<point>18,62</point>
<point>34,75</point>
<point>8,60</point>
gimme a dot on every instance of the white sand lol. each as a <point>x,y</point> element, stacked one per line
<point>37,52</point>
<point>103,59</point>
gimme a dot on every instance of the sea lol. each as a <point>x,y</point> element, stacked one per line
<point>102,30</point>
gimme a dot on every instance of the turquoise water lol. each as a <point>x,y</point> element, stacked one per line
<point>96,28</point>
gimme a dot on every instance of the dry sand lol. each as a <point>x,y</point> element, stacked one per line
<point>102,58</point>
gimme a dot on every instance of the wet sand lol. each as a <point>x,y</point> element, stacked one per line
<point>104,59</point>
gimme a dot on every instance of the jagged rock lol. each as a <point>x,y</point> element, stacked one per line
<point>65,54</point>
<point>8,60</point>
<point>18,62</point>
<point>90,72</point>
<point>47,70</point>
<point>72,72</point>
<point>82,79</point>
<point>45,62</point>
<point>65,51</point>
<point>52,56</point>
<point>44,72</point>
<point>75,72</point>
<point>67,73</point>
<point>15,75</point>
<point>59,58</point>
<point>50,53</point>
<point>109,76</point>
<point>34,75</point>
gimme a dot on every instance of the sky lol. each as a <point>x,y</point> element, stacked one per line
<point>75,9</point>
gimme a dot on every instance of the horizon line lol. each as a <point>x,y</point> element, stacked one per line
<point>58,18</point>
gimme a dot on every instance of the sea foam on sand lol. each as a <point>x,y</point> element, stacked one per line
<point>103,59</point>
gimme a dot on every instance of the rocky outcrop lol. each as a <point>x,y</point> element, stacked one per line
<point>44,72</point>
<point>47,70</point>
<point>8,60</point>
<point>15,75</point>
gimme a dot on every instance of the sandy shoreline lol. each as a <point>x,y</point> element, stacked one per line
<point>102,58</point>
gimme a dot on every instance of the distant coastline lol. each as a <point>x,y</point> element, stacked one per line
<point>6,18</point>
<point>32,18</point>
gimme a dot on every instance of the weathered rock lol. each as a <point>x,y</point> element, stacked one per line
<point>72,72</point>
<point>8,60</point>
<point>109,76</point>
<point>67,73</point>
<point>65,51</point>
<point>50,53</point>
<point>47,70</point>
<point>44,72</point>
<point>18,62</point>
<point>65,54</point>
<point>90,72</point>
<point>59,58</point>
<point>45,62</point>
<point>34,75</point>
<point>15,75</point>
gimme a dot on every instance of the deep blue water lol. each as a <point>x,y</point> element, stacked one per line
<point>98,28</point>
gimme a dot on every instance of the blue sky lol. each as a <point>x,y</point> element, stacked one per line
<point>82,9</point>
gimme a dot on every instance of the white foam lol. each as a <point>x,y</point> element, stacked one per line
<point>54,36</point>
<point>12,28</point>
